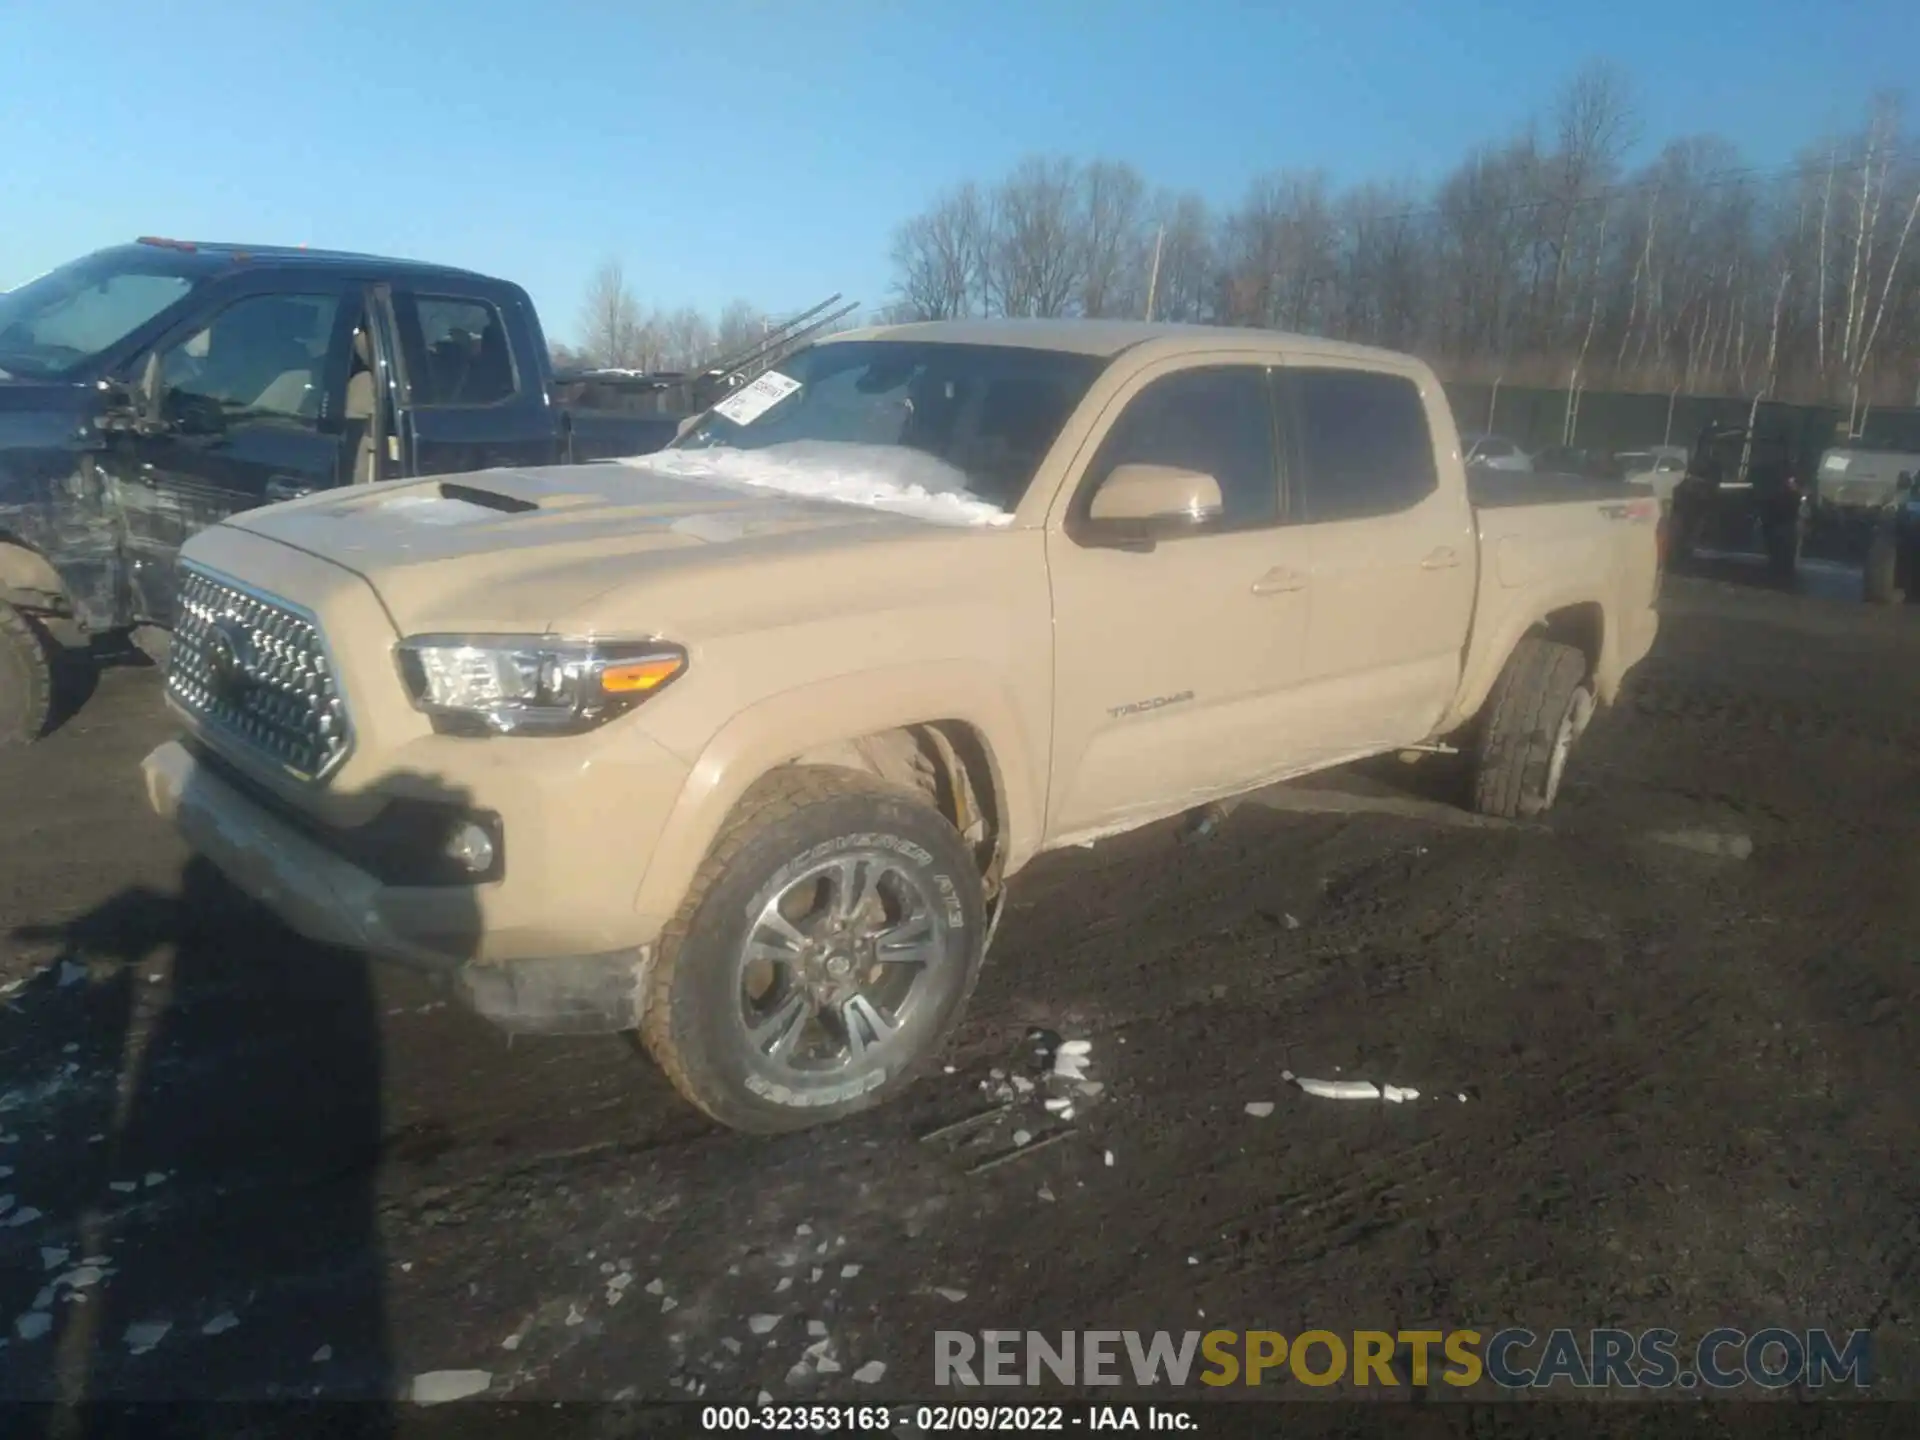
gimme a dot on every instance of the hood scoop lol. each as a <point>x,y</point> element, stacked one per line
<point>487,499</point>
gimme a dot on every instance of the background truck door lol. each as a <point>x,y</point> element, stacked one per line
<point>1176,668</point>
<point>1395,557</point>
<point>475,394</point>
<point>248,402</point>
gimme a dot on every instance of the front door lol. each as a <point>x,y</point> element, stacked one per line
<point>1394,558</point>
<point>1176,667</point>
<point>249,407</point>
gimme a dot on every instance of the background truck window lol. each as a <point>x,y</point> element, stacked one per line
<point>467,358</point>
<point>1364,445</point>
<point>264,356</point>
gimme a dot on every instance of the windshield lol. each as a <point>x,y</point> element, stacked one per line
<point>989,411</point>
<point>53,326</point>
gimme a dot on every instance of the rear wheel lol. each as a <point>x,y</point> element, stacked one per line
<point>825,951</point>
<point>26,678</point>
<point>1539,708</point>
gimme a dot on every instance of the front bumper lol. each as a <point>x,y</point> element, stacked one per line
<point>535,979</point>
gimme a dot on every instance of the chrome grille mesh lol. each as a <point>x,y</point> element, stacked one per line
<point>256,670</point>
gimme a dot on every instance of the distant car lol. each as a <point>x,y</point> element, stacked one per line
<point>1493,452</point>
<point>1661,467</point>
<point>1569,460</point>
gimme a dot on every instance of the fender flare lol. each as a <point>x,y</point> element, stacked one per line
<point>1486,658</point>
<point>774,730</point>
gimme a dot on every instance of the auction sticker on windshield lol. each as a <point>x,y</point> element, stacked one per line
<point>750,402</point>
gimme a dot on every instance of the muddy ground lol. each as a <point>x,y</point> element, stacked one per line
<point>1690,1085</point>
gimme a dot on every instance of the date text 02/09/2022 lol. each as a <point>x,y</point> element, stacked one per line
<point>943,1419</point>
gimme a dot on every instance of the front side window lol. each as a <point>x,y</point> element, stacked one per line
<point>1364,445</point>
<point>53,326</point>
<point>989,413</point>
<point>264,357</point>
<point>1218,421</point>
<point>466,359</point>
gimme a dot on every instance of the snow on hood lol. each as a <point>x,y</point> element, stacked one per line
<point>884,477</point>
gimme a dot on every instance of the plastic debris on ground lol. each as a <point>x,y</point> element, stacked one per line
<point>871,1373</point>
<point>1259,1109</point>
<point>145,1335</point>
<point>219,1325</point>
<point>761,1324</point>
<point>437,1387</point>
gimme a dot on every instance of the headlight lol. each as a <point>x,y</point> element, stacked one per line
<point>532,684</point>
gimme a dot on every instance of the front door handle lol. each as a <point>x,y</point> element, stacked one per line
<point>1279,581</point>
<point>286,487</point>
<point>1445,558</point>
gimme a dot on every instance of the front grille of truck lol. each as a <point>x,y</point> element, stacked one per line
<point>254,670</point>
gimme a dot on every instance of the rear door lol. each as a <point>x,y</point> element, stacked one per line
<point>474,395</point>
<point>1393,556</point>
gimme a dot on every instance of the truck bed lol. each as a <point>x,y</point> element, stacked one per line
<point>1504,489</point>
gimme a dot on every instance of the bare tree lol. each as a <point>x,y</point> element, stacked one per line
<point>939,257</point>
<point>610,323</point>
<point>1036,250</point>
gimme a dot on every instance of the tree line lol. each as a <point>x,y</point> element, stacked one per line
<point>1539,259</point>
<point>616,331</point>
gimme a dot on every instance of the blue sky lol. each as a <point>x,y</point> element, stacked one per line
<point>766,150</point>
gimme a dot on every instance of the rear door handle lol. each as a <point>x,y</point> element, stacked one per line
<point>1445,558</point>
<point>286,487</point>
<point>1279,581</point>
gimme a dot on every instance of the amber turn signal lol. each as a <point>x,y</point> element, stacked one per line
<point>637,677</point>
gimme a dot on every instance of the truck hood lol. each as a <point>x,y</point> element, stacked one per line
<point>531,549</point>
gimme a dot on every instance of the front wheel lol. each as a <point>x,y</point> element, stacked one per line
<point>824,953</point>
<point>26,678</point>
<point>1539,707</point>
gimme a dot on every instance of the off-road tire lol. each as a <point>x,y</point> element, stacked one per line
<point>783,821</point>
<point>1543,681</point>
<point>1880,571</point>
<point>26,678</point>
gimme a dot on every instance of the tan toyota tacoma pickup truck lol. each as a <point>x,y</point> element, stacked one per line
<point>739,744</point>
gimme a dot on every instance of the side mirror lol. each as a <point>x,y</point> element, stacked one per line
<point>1147,501</point>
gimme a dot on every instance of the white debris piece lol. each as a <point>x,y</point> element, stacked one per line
<point>1339,1089</point>
<point>52,1256</point>
<point>1109,1158</point>
<point>847,1272</point>
<point>33,1324</point>
<point>826,1364</point>
<point>1023,1084</point>
<point>1707,842</point>
<point>144,1336</point>
<point>1046,1194</point>
<point>1259,1109</point>
<point>26,1215</point>
<point>1076,1047</point>
<point>123,1187</point>
<point>1292,924</point>
<point>436,1387</point>
<point>1058,1103</point>
<point>6,1172</point>
<point>813,1277</point>
<point>1022,1137</point>
<point>575,1316</point>
<point>668,1303</point>
<point>219,1325</point>
<point>803,1229</point>
<point>84,1277</point>
<point>155,1177</point>
<point>1397,1094</point>
<point>512,1342</point>
<point>1461,1098</point>
<point>761,1324</point>
<point>656,1287</point>
<point>786,1284</point>
<point>871,1372</point>
<point>800,1373</point>
<point>71,974</point>
<point>730,1345</point>
<point>1090,1088</point>
<point>816,1328</point>
<point>947,1293</point>
<point>765,1397</point>
<point>323,1355</point>
<point>617,1287</point>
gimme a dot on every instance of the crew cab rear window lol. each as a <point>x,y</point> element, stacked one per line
<point>1362,446</point>
<point>465,358</point>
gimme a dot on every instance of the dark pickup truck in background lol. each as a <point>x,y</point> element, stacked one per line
<point>152,389</point>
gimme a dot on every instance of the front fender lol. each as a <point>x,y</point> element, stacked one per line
<point>775,730</point>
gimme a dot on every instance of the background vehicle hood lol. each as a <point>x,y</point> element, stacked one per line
<point>527,549</point>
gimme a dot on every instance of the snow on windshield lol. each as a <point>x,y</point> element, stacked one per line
<point>885,477</point>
